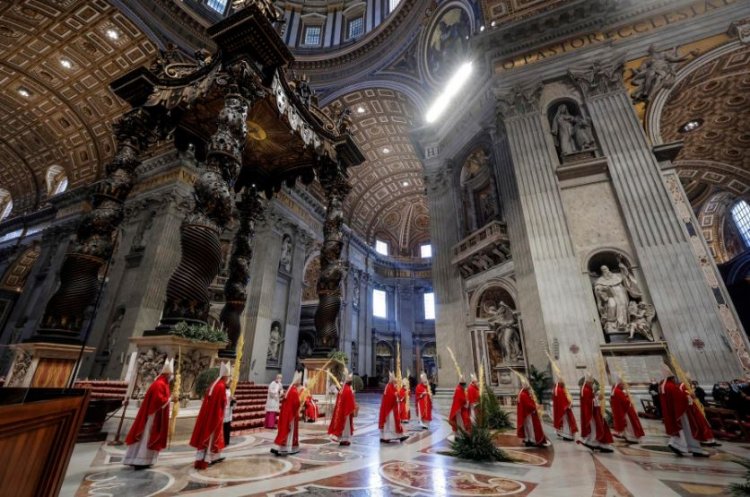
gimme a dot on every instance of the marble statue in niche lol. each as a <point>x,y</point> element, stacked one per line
<point>656,72</point>
<point>285,261</point>
<point>305,348</point>
<point>571,130</point>
<point>275,342</point>
<point>619,299</point>
<point>355,293</point>
<point>143,228</point>
<point>504,322</point>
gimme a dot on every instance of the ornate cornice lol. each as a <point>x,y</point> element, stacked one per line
<point>519,100</point>
<point>601,77</point>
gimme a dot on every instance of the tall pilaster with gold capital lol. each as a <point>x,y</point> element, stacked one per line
<point>444,235</point>
<point>686,306</point>
<point>336,186</point>
<point>95,237</point>
<point>188,297</point>
<point>555,300</point>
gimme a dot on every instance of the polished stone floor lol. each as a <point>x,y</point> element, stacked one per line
<point>414,468</point>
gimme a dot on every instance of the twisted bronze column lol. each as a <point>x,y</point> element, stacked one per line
<point>188,297</point>
<point>250,208</point>
<point>64,315</point>
<point>332,268</point>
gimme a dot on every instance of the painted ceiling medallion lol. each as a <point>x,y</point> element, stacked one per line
<point>447,44</point>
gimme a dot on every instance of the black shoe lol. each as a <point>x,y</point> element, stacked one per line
<point>675,450</point>
<point>345,444</point>
<point>590,447</point>
<point>384,441</point>
<point>139,467</point>
<point>401,439</point>
<point>701,454</point>
<point>275,452</point>
<point>526,443</point>
<point>221,459</point>
<point>710,444</point>
<point>605,450</point>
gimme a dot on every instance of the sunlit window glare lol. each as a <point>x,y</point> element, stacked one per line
<point>454,85</point>
<point>379,309</point>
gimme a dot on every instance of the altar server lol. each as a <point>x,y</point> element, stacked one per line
<point>273,401</point>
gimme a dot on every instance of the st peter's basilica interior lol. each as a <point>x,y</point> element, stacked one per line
<point>355,194</point>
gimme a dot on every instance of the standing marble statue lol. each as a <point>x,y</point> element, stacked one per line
<point>285,261</point>
<point>274,342</point>
<point>563,127</point>
<point>655,73</point>
<point>503,320</point>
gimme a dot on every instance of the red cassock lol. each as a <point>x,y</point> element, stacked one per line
<point>404,411</point>
<point>472,394</point>
<point>289,417</point>
<point>527,406</point>
<point>343,412</point>
<point>311,409</point>
<point>458,408</point>
<point>424,402</point>
<point>699,426</point>
<point>210,420</point>
<point>562,408</point>
<point>388,405</point>
<point>674,404</point>
<point>156,397</point>
<point>622,408</point>
<point>588,412</point>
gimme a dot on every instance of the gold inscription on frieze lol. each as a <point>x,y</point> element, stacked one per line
<point>686,13</point>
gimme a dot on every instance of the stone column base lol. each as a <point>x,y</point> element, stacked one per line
<point>154,350</point>
<point>43,364</point>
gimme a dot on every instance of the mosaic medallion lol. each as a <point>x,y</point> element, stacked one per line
<point>136,483</point>
<point>244,469</point>
<point>441,481</point>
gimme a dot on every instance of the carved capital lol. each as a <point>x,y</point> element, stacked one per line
<point>601,77</point>
<point>741,29</point>
<point>518,101</point>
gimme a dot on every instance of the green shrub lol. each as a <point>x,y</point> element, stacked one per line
<point>200,332</point>
<point>477,446</point>
<point>357,384</point>
<point>204,380</point>
<point>336,367</point>
<point>491,414</point>
<point>540,381</point>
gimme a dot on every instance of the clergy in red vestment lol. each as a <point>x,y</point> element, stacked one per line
<point>424,402</point>
<point>699,425</point>
<point>593,427</point>
<point>472,397</point>
<point>624,418</point>
<point>404,408</point>
<point>287,436</point>
<point>459,417</point>
<point>529,426</point>
<point>309,405</point>
<point>389,421</point>
<point>674,410</point>
<point>562,407</point>
<point>208,434</point>
<point>148,435</point>
<point>341,428</point>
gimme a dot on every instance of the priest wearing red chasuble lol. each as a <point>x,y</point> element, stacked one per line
<point>148,435</point>
<point>389,421</point>
<point>404,392</point>
<point>594,429</point>
<point>624,417</point>
<point>424,402</point>
<point>472,397</point>
<point>287,436</point>
<point>459,417</point>
<point>529,426</point>
<point>699,425</point>
<point>341,428</point>
<point>562,407</point>
<point>208,434</point>
<point>674,410</point>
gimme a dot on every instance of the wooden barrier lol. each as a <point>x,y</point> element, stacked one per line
<point>38,429</point>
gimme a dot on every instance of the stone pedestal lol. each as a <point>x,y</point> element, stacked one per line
<point>313,365</point>
<point>196,357</point>
<point>43,364</point>
<point>636,362</point>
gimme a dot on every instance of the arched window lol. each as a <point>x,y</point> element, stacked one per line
<point>741,217</point>
<point>57,180</point>
<point>6,203</point>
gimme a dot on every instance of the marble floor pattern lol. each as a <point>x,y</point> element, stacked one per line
<point>417,467</point>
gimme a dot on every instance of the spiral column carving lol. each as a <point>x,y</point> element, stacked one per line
<point>332,269</point>
<point>188,298</point>
<point>251,208</point>
<point>95,237</point>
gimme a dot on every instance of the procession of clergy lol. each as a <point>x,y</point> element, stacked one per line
<point>683,416</point>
